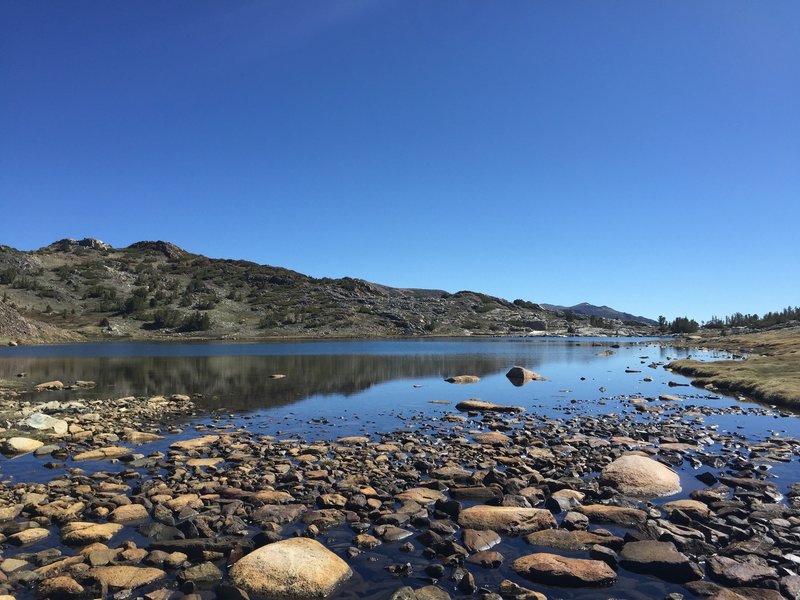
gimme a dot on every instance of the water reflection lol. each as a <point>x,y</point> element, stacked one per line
<point>242,382</point>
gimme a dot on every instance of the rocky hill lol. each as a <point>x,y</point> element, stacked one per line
<point>85,289</point>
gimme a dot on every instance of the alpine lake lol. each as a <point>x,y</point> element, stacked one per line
<point>345,427</point>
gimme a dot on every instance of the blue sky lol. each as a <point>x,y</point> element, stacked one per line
<point>643,155</point>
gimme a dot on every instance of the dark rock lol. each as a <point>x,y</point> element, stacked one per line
<point>739,573</point>
<point>659,558</point>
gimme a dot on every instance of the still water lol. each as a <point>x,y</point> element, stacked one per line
<point>336,388</point>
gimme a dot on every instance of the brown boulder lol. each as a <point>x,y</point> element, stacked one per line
<point>552,569</point>
<point>506,519</point>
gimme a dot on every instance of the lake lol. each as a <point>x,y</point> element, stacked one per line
<point>343,388</point>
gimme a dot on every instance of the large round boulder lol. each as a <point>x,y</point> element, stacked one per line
<point>638,475</point>
<point>293,569</point>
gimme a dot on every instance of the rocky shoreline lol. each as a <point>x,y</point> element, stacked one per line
<point>485,502</point>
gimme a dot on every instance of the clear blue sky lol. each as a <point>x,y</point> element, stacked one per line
<point>639,154</point>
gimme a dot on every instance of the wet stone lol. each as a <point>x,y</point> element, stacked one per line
<point>659,558</point>
<point>552,569</point>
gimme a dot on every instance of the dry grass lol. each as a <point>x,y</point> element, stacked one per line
<point>771,374</point>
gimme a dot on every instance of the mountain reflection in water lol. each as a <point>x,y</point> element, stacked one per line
<point>242,382</point>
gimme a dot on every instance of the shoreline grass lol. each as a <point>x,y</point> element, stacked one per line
<point>771,374</point>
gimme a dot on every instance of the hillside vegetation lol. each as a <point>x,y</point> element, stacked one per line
<point>155,290</point>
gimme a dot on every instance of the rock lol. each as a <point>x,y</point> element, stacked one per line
<point>42,422</point>
<point>692,508</point>
<point>49,385</point>
<point>390,533</point>
<point>572,541</point>
<point>9,565</point>
<point>182,501</point>
<point>126,577</point>
<point>141,437</point>
<point>205,462</point>
<point>9,513</point>
<point>353,440</point>
<point>601,513</point>
<point>206,572</point>
<point>659,558</point>
<point>790,586</point>
<point>513,591</point>
<point>493,438</point>
<point>288,513</point>
<point>733,572</point>
<point>521,375</point>
<point>506,519</point>
<point>106,453</point>
<point>195,443</point>
<point>21,445</point>
<point>637,475</point>
<point>271,497</point>
<point>552,569</point>
<point>421,495</point>
<point>431,592</point>
<point>479,541</point>
<point>292,569</point>
<point>62,586</point>
<point>79,532</point>
<point>604,553</point>
<point>61,511</point>
<point>463,379</point>
<point>365,541</point>
<point>128,512</point>
<point>28,536</point>
<point>488,560</point>
<point>198,548</point>
<point>403,593</point>
<point>480,406</point>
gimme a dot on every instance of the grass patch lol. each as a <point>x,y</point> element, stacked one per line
<point>772,377</point>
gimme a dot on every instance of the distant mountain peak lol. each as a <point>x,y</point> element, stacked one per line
<point>606,312</point>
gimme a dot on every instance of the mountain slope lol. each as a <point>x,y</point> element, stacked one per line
<point>156,290</point>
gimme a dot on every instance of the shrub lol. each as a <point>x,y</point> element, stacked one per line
<point>166,317</point>
<point>196,321</point>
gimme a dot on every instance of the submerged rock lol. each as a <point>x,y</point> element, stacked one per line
<point>463,379</point>
<point>49,386</point>
<point>125,576</point>
<point>481,406</point>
